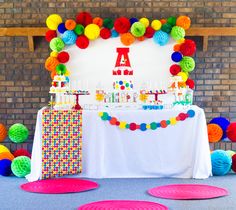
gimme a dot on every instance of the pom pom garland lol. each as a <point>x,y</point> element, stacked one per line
<point>98,21</point>
<point>138,29</point>
<point>21,166</point>
<point>92,31</point>
<point>230,153</point>
<point>190,83</point>
<point>108,23</point>
<point>171,20</point>
<point>69,37</point>
<point>127,39</point>
<point>133,20</point>
<point>177,33</point>
<point>231,132</point>
<point>84,18</point>
<point>56,44</point>
<point>54,54</point>
<point>122,25</point>
<point>51,63</point>
<point>70,24</point>
<point>3,149</point>
<point>156,25</point>
<point>184,22</point>
<point>175,69</point>
<point>149,32</point>
<point>82,42</point>
<point>6,155</point>
<point>105,33</point>
<point>5,167</point>
<point>53,21</point>
<point>215,132</point>
<point>53,73</point>
<point>176,56</point>
<point>161,38</point>
<point>18,133</point>
<point>79,29</point>
<point>187,64</point>
<point>50,34</point>
<point>183,75</point>
<point>22,152</point>
<point>144,21</point>
<point>63,57</point>
<point>61,28</point>
<point>222,122</point>
<point>188,48</point>
<point>166,28</point>
<point>61,69</point>
<point>3,132</point>
<point>114,34</point>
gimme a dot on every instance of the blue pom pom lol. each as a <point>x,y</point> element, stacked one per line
<point>69,37</point>
<point>176,56</point>
<point>61,28</point>
<point>221,162</point>
<point>114,34</point>
<point>158,125</point>
<point>161,38</point>
<point>223,123</point>
<point>133,20</point>
<point>191,113</point>
<point>5,167</point>
<point>143,127</point>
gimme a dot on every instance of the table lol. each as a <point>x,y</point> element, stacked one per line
<point>180,151</point>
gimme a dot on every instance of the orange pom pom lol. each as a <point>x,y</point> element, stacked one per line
<point>6,155</point>
<point>98,21</point>
<point>51,63</point>
<point>53,73</point>
<point>176,47</point>
<point>3,132</point>
<point>142,38</point>
<point>163,21</point>
<point>127,39</point>
<point>70,24</point>
<point>184,22</point>
<point>215,132</point>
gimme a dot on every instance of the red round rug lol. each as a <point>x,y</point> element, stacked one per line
<point>187,191</point>
<point>59,186</point>
<point>122,205</point>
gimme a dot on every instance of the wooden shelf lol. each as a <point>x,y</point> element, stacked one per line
<point>205,32</point>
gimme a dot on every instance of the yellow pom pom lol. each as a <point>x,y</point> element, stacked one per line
<point>183,75</point>
<point>156,25</point>
<point>148,126</point>
<point>67,73</point>
<point>122,125</point>
<point>144,21</point>
<point>54,54</point>
<point>173,121</point>
<point>3,149</point>
<point>53,21</point>
<point>180,41</point>
<point>100,114</point>
<point>92,31</point>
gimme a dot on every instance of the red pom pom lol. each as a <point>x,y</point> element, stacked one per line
<point>82,42</point>
<point>117,123</point>
<point>182,116</point>
<point>188,48</point>
<point>175,69</point>
<point>50,34</point>
<point>132,126</point>
<point>63,57</point>
<point>122,25</point>
<point>113,121</point>
<point>163,124</point>
<point>84,18</point>
<point>21,152</point>
<point>149,32</point>
<point>234,162</point>
<point>190,83</point>
<point>231,132</point>
<point>105,33</point>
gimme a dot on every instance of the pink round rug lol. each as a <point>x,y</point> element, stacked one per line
<point>59,185</point>
<point>122,205</point>
<point>187,191</point>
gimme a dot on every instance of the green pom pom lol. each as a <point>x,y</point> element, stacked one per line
<point>18,133</point>
<point>153,126</point>
<point>79,29</point>
<point>104,116</point>
<point>20,166</point>
<point>171,20</point>
<point>138,29</point>
<point>177,33</point>
<point>166,28</point>
<point>187,64</point>
<point>61,69</point>
<point>108,23</point>
<point>56,44</point>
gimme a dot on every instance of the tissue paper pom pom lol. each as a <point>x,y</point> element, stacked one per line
<point>54,54</point>
<point>50,34</point>
<point>156,25</point>
<point>3,149</point>
<point>183,75</point>
<point>53,73</point>
<point>190,83</point>
<point>98,21</point>
<point>176,47</point>
<point>70,24</point>
<point>61,28</point>
<point>53,21</point>
<point>234,163</point>
<point>176,56</point>
<point>166,28</point>
<point>127,39</point>
<point>223,123</point>
<point>82,42</point>
<point>221,162</point>
<point>215,132</point>
<point>63,57</point>
<point>114,34</point>
<point>177,33</point>
<point>6,155</point>
<point>171,20</point>
<point>144,21</point>
<point>18,133</point>
<point>163,21</point>
<point>231,153</point>
<point>92,31</point>
<point>175,69</point>
<point>231,132</point>
<point>22,152</point>
<point>138,29</point>
<point>3,132</point>
<point>161,38</point>
<point>105,33</point>
<point>133,20</point>
<point>108,23</point>
<point>20,166</point>
<point>187,64</point>
<point>84,18</point>
<point>61,69</point>
<point>69,37</point>
<point>188,48</point>
<point>57,44</point>
<point>184,22</point>
<point>122,25</point>
<point>5,167</point>
<point>149,32</point>
<point>79,29</point>
<point>51,63</point>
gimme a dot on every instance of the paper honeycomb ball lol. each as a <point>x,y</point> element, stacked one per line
<point>231,132</point>
<point>144,21</point>
<point>5,167</point>
<point>234,162</point>
<point>215,132</point>
<point>53,74</point>
<point>69,37</point>
<point>223,123</point>
<point>61,28</point>
<point>98,21</point>
<point>114,34</point>
<point>21,152</point>
<point>53,21</point>
<point>133,20</point>
<point>84,18</point>
<point>79,29</point>
<point>6,155</point>
<point>175,69</point>
<point>50,34</point>
<point>231,153</point>
<point>188,48</point>
<point>161,38</point>
<point>183,75</point>
<point>61,69</point>
<point>92,31</point>
<point>3,132</point>
<point>70,24</point>
<point>176,56</point>
<point>21,166</point>
<point>127,39</point>
<point>187,64</point>
<point>177,33</point>
<point>3,149</point>
<point>18,133</point>
<point>138,29</point>
<point>221,163</point>
<point>122,25</point>
<point>108,23</point>
<point>105,33</point>
<point>171,20</point>
<point>57,44</point>
<point>166,28</point>
<point>149,32</point>
<point>184,22</point>
<point>190,83</point>
<point>156,25</point>
<point>63,57</point>
<point>51,63</point>
<point>82,42</point>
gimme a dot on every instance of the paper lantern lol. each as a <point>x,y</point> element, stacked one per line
<point>223,123</point>
<point>3,148</point>
<point>6,155</point>
<point>21,152</point>
<point>18,133</point>
<point>149,32</point>
<point>166,28</point>
<point>92,31</point>
<point>79,29</point>
<point>69,37</point>
<point>190,83</point>
<point>53,21</point>
<point>56,44</point>
<point>138,29</point>
<point>21,166</point>
<point>133,20</point>
<point>51,63</point>
<point>156,25</point>
<point>50,34</point>
<point>84,18</point>
<point>234,162</point>
<point>187,64</point>
<point>231,132</point>
<point>183,75</point>
<point>144,21</point>
<point>127,39</point>
<point>82,42</point>
<point>184,22</point>
<point>175,69</point>
<point>98,21</point>
<point>161,38</point>
<point>176,57</point>
<point>63,57</point>
<point>122,25</point>
<point>188,48</point>
<point>5,167</point>
<point>108,23</point>
<point>61,69</point>
<point>3,132</point>
<point>215,132</point>
<point>221,162</point>
<point>105,33</point>
<point>114,34</point>
<point>61,28</point>
<point>171,20</point>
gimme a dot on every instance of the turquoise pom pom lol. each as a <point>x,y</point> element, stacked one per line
<point>161,38</point>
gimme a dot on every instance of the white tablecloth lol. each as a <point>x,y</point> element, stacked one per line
<point>179,151</point>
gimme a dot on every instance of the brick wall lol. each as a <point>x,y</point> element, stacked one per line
<point>24,83</point>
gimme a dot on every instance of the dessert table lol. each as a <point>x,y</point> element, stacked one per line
<point>180,151</point>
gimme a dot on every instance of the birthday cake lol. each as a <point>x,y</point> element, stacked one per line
<point>59,84</point>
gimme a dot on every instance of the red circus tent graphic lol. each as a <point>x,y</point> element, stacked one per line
<point>122,66</point>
